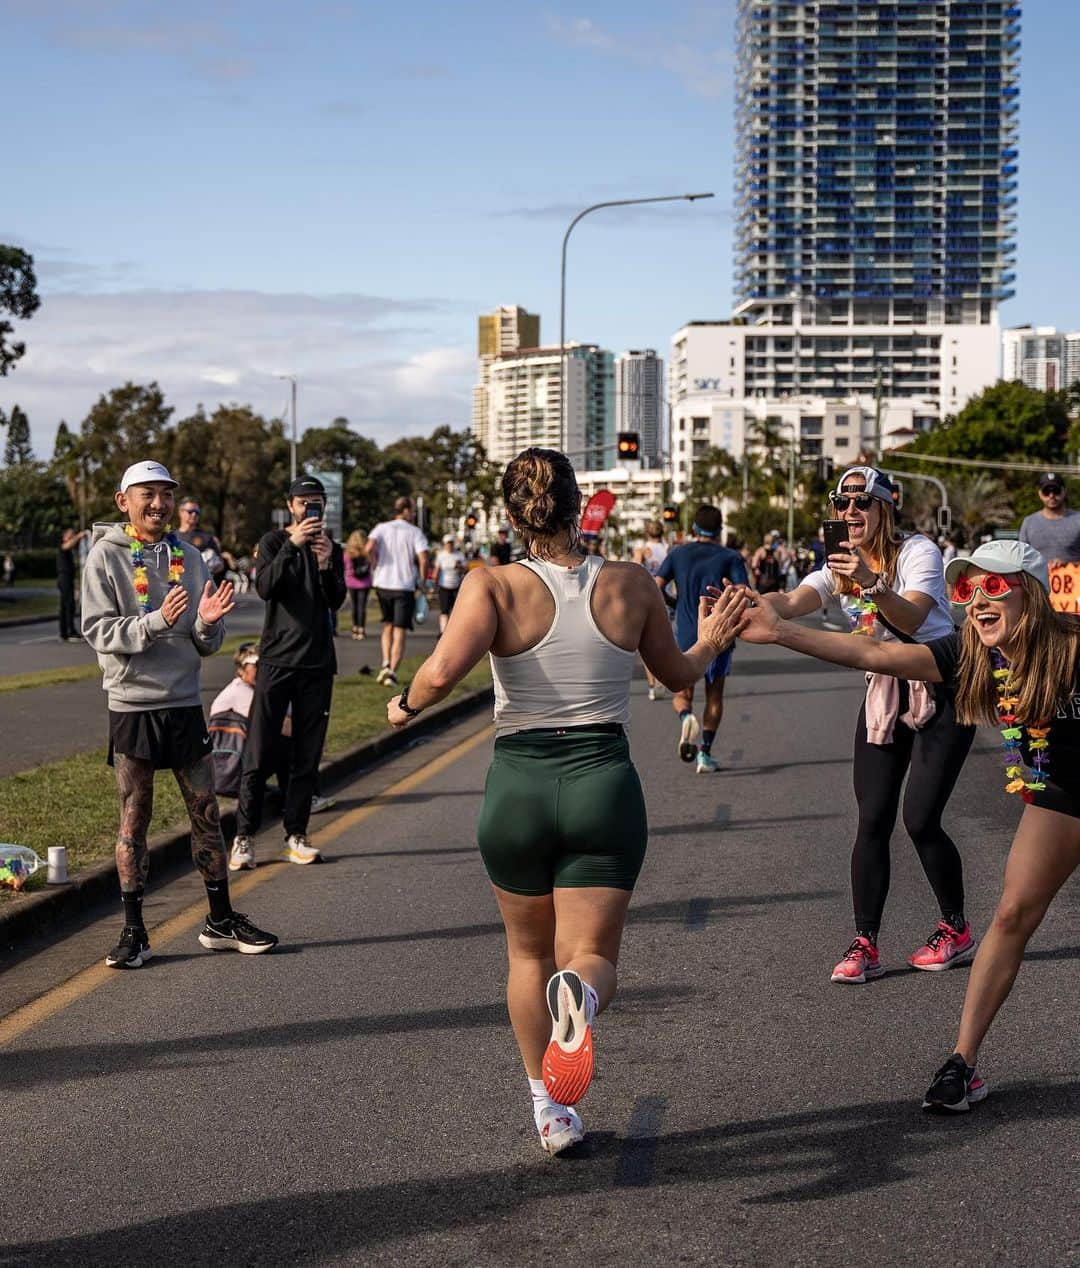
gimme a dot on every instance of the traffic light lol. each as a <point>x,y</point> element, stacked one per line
<point>471,520</point>
<point>628,444</point>
<point>671,515</point>
<point>898,494</point>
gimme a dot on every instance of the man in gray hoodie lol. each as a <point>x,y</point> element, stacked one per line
<point>151,613</point>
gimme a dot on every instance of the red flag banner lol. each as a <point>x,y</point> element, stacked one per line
<point>1065,587</point>
<point>597,509</point>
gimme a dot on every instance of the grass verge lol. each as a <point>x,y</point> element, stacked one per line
<point>47,604</point>
<point>73,802</point>
<point>82,673</point>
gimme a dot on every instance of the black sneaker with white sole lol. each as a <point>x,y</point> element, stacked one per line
<point>236,933</point>
<point>132,951</point>
<point>955,1089</point>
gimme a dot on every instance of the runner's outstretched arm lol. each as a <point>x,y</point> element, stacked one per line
<point>717,626</point>
<point>763,624</point>
<point>469,635</point>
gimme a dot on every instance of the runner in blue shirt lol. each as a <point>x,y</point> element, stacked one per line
<point>693,567</point>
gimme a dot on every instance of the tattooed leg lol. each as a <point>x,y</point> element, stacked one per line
<point>135,780</point>
<point>207,844</point>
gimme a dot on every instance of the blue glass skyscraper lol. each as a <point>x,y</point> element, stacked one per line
<point>876,171</point>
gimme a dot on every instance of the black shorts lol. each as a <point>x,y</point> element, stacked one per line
<point>397,607</point>
<point>447,599</point>
<point>169,738</point>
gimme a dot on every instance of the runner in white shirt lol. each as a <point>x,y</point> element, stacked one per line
<point>449,569</point>
<point>398,551</point>
<point>651,554</point>
<point>892,586</point>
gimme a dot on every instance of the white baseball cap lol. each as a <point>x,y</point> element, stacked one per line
<point>145,473</point>
<point>1002,556</point>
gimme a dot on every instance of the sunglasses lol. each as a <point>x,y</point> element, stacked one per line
<point>1053,490</point>
<point>992,586</point>
<point>861,501</point>
<point>190,510</point>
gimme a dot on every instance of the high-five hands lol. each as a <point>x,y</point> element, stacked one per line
<point>720,616</point>
<point>215,604</point>
<point>756,620</point>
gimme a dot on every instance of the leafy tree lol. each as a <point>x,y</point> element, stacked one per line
<point>372,478</point>
<point>237,465</point>
<point>34,505</point>
<point>17,449</point>
<point>18,296</point>
<point>129,424</point>
<point>1008,422</point>
<point>451,471</point>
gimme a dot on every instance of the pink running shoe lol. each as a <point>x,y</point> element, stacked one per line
<point>945,948</point>
<point>860,963</point>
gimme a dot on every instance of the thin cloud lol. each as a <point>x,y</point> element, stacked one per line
<point>372,358</point>
<point>702,70</point>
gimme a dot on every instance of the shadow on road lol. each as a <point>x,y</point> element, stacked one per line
<point>26,1067</point>
<point>821,1155</point>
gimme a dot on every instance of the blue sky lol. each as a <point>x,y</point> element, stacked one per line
<point>218,193</point>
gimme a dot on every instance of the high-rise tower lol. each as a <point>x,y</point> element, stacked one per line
<point>508,329</point>
<point>875,191</point>
<point>639,400</point>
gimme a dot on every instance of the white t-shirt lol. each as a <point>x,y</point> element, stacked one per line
<point>447,561</point>
<point>653,555</point>
<point>235,698</point>
<point>399,543</point>
<point>918,567</point>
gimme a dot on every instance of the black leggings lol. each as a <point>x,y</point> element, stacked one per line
<point>359,606</point>
<point>934,756</point>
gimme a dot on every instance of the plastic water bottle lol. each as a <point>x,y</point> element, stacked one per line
<point>17,864</point>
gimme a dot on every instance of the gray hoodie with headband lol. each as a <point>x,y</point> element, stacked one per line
<point>146,663</point>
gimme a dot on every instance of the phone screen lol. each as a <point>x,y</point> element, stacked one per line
<point>836,533</point>
<point>312,511</point>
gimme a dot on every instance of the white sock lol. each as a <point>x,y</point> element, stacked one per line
<point>592,1002</point>
<point>540,1100</point>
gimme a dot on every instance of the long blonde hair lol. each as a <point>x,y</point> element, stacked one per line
<point>1043,666</point>
<point>883,549</point>
<point>354,547</point>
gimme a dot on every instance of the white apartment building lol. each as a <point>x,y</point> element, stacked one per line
<point>640,496</point>
<point>639,400</point>
<point>525,395</point>
<point>1041,357</point>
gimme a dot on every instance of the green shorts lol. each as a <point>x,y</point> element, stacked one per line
<point>562,809</point>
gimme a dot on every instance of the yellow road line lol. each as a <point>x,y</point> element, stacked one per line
<point>59,997</point>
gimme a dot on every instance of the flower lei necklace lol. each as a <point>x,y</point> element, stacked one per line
<point>1013,734</point>
<point>138,563</point>
<point>862,615</point>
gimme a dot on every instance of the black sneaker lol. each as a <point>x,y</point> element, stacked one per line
<point>132,951</point>
<point>955,1089</point>
<point>236,933</point>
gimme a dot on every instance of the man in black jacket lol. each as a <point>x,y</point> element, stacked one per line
<point>300,573</point>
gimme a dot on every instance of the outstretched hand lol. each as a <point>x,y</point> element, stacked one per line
<point>719,617</point>
<point>215,604</point>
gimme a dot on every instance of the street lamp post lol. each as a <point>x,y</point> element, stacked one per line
<point>292,446</point>
<point>616,202</point>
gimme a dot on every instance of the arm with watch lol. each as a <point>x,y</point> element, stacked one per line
<point>906,611</point>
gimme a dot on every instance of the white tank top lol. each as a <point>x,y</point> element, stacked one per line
<point>574,676</point>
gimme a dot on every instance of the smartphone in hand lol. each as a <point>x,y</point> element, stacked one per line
<point>836,534</point>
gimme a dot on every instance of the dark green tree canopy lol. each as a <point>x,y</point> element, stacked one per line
<point>18,296</point>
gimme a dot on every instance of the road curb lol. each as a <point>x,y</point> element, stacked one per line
<point>16,621</point>
<point>43,911</point>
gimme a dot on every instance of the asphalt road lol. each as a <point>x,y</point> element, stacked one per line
<point>57,721</point>
<point>356,1097</point>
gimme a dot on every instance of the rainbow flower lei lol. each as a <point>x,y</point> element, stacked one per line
<point>1013,733</point>
<point>864,611</point>
<point>138,563</point>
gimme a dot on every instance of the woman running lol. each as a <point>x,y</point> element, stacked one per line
<point>562,830</point>
<point>1013,662</point>
<point>892,586</point>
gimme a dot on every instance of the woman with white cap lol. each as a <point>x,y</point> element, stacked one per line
<point>892,586</point>
<point>1014,662</point>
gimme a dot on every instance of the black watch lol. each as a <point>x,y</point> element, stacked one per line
<point>403,703</point>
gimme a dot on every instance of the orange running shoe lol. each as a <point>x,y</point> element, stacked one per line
<point>568,1061</point>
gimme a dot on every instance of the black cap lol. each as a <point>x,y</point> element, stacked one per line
<point>308,485</point>
<point>1048,477</point>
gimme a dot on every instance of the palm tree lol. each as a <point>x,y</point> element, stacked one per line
<point>979,502</point>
